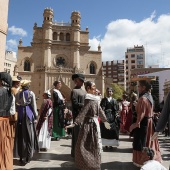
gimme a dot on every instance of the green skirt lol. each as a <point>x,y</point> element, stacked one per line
<point>57,131</point>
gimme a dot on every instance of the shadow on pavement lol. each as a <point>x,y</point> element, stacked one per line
<point>119,150</point>
<point>104,166</point>
<point>45,157</point>
<point>66,146</point>
<point>118,165</point>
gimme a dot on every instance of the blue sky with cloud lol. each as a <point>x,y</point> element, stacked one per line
<point>114,24</point>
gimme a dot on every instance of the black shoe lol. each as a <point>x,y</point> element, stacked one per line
<point>27,160</point>
<point>110,147</point>
<point>106,147</point>
<point>21,161</point>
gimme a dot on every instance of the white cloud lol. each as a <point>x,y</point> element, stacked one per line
<point>17,31</point>
<point>12,45</point>
<point>152,33</point>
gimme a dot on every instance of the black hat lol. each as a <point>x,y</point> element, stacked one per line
<point>6,77</point>
<point>80,76</point>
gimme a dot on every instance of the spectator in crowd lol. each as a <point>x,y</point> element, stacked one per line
<point>149,163</point>
<point>131,117</point>
<point>124,112</point>
<point>68,121</point>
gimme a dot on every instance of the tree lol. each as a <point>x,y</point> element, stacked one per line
<point>118,91</point>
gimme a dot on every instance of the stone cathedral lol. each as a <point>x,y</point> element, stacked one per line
<point>57,51</point>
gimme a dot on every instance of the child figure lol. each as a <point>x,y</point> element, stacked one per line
<point>68,121</point>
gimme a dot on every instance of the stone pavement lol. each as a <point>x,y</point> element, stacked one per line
<point>58,157</point>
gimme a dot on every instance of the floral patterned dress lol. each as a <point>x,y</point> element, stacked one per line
<point>88,146</point>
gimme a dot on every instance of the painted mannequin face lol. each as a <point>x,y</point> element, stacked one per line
<point>109,93</point>
<point>141,88</point>
<point>58,86</point>
<point>17,84</point>
<point>92,89</point>
<point>78,82</point>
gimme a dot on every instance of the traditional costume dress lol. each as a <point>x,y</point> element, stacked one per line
<point>88,146</point>
<point>164,116</point>
<point>6,144</point>
<point>142,135</point>
<point>58,115</point>
<point>13,118</point>
<point>123,115</point>
<point>26,134</point>
<point>44,125</point>
<point>77,99</point>
<point>110,137</point>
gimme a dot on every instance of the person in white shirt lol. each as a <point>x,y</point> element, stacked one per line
<point>149,163</point>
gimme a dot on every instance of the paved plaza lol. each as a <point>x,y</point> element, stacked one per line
<point>58,157</point>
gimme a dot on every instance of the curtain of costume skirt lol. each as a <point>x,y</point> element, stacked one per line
<point>6,154</point>
<point>88,151</point>
<point>26,138</point>
<point>57,131</point>
<point>44,138</point>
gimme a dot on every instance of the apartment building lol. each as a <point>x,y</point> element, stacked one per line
<point>135,58</point>
<point>116,71</point>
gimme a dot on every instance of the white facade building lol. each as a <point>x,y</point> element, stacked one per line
<point>10,62</point>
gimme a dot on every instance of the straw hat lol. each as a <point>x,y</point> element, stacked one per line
<point>14,78</point>
<point>25,82</point>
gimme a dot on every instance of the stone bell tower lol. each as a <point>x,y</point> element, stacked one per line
<point>47,36</point>
<point>75,38</point>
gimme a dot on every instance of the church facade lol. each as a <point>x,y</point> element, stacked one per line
<point>57,51</point>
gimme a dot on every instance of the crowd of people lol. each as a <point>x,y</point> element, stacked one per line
<point>92,122</point>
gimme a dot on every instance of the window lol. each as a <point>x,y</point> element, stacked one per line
<point>140,62</point>
<point>132,55</point>
<point>61,36</point>
<point>54,36</point>
<point>140,56</point>
<point>92,68</point>
<point>67,37</point>
<point>27,65</point>
<point>60,61</point>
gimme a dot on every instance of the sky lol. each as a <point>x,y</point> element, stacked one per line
<point>114,24</point>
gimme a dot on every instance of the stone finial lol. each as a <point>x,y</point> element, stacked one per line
<point>99,47</point>
<point>35,24</point>
<point>20,42</point>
